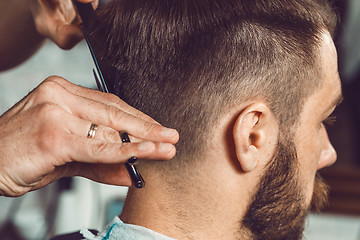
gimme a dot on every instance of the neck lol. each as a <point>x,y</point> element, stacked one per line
<point>210,209</point>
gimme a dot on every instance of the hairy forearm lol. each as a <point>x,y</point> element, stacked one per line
<point>19,39</point>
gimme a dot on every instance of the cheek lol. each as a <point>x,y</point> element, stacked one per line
<point>309,151</point>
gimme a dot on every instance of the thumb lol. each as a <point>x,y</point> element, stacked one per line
<point>67,36</point>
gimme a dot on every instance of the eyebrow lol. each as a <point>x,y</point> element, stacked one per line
<point>336,102</point>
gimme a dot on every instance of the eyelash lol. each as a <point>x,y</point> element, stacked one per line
<point>330,121</point>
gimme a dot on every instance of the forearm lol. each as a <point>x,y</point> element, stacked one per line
<point>19,38</point>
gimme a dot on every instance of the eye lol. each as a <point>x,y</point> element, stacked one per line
<point>329,121</point>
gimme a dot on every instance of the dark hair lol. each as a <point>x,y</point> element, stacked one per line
<point>186,62</point>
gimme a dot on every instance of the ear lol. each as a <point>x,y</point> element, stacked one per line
<point>255,136</point>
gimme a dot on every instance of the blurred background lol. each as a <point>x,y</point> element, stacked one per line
<point>71,204</point>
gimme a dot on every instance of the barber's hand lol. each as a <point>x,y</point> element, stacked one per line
<point>44,138</point>
<point>57,20</point>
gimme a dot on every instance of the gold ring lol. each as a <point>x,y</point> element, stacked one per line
<point>92,131</point>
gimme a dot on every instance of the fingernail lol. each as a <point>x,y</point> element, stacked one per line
<point>168,132</point>
<point>146,146</point>
<point>165,147</point>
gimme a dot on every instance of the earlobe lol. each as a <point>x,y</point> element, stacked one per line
<point>250,161</point>
<point>255,135</point>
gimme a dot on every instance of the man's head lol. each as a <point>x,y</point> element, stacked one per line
<point>283,199</point>
<point>244,82</point>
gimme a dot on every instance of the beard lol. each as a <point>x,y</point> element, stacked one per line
<point>278,210</point>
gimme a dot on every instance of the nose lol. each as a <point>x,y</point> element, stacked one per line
<point>328,154</point>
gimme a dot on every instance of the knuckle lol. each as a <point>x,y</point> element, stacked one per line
<point>48,113</point>
<point>49,139</point>
<point>114,99</point>
<point>115,115</point>
<point>48,132</point>
<point>111,135</point>
<point>53,78</point>
<point>126,149</point>
<point>46,90</point>
<point>144,117</point>
<point>96,149</point>
<point>149,128</point>
<point>52,81</point>
<point>119,103</point>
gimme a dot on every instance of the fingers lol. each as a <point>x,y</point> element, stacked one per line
<point>114,113</point>
<point>58,91</point>
<point>43,141</point>
<point>121,121</point>
<point>109,99</point>
<point>81,128</point>
<point>97,151</point>
<point>106,146</point>
<point>113,174</point>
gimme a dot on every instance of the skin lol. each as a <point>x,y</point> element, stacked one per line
<point>43,138</point>
<point>218,193</point>
<point>315,150</point>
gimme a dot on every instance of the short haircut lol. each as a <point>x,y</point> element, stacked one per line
<point>186,62</point>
